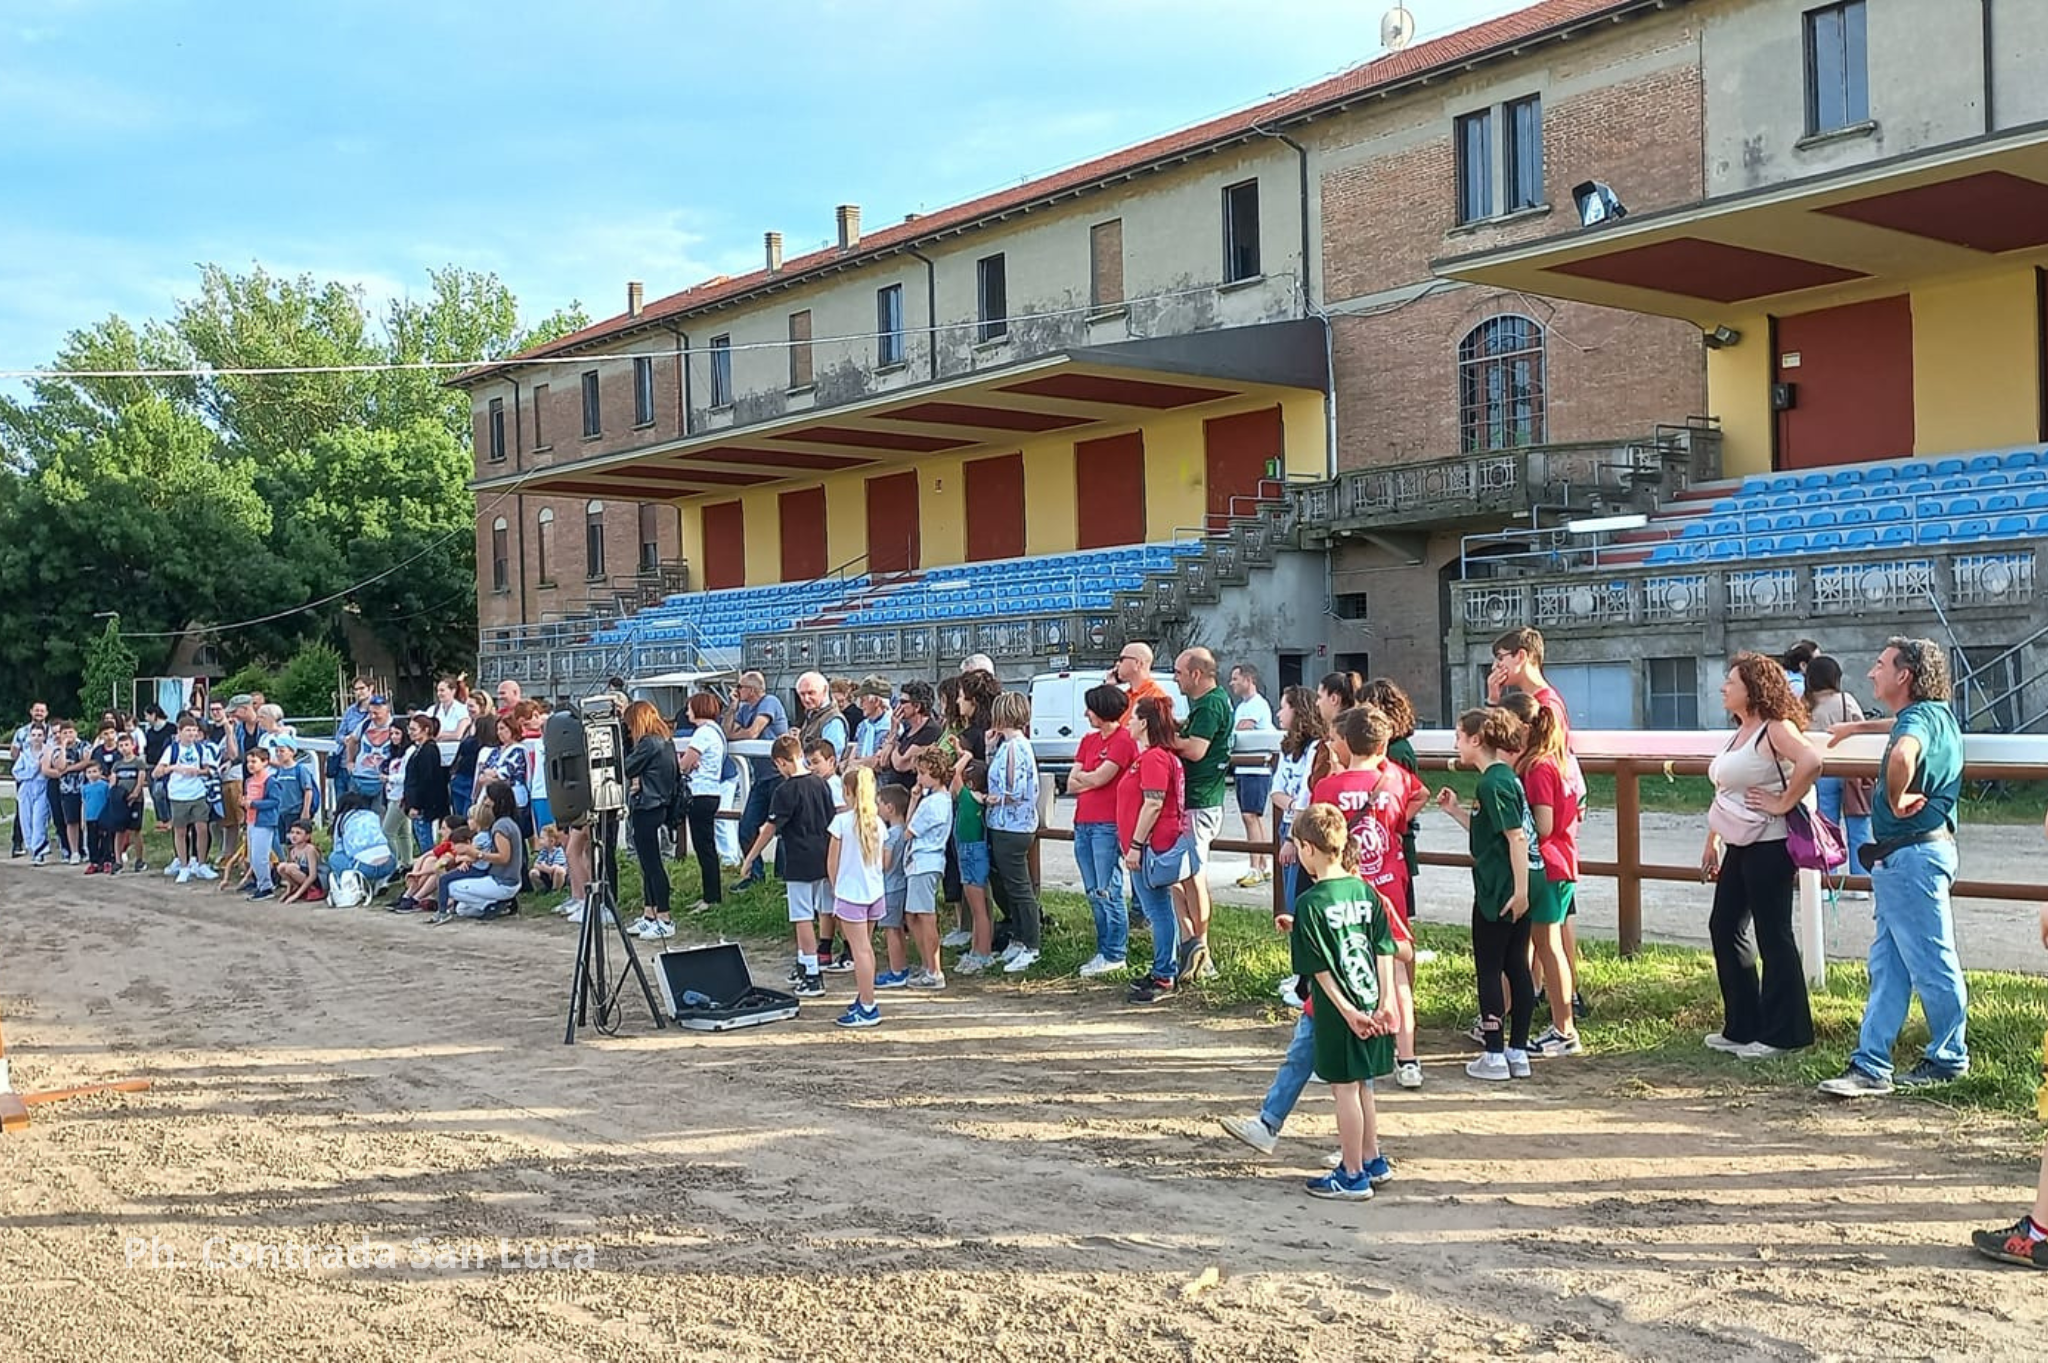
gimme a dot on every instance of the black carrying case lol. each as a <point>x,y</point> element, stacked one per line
<point>719,973</point>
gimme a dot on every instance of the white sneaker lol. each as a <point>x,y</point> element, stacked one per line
<point>1492,1066</point>
<point>1021,962</point>
<point>205,872</point>
<point>1009,953</point>
<point>1757,1050</point>
<point>173,869</point>
<point>971,964</point>
<point>1252,1131</point>
<point>643,926</point>
<point>1518,1063</point>
<point>184,875</point>
<point>958,937</point>
<point>1408,1074</point>
<point>659,931</point>
<point>1717,1042</point>
<point>1099,965</point>
<point>571,909</point>
<point>577,916</point>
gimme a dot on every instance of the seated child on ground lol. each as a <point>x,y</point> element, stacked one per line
<point>428,866</point>
<point>550,869</point>
<point>299,868</point>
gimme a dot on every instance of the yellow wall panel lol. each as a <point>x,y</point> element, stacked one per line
<point>941,511</point>
<point>1739,393</point>
<point>846,522</point>
<point>1976,364</point>
<point>1051,508</point>
<point>764,536</point>
<point>1305,428</point>
<point>690,536</point>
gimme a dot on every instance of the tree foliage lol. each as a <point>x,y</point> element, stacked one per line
<point>109,667</point>
<point>210,500</point>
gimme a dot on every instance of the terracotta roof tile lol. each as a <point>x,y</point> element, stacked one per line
<point>1453,49</point>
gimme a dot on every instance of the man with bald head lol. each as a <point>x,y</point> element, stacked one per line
<point>978,662</point>
<point>509,695</point>
<point>1133,672</point>
<point>1204,745</point>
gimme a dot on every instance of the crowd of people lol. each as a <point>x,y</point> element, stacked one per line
<point>915,808</point>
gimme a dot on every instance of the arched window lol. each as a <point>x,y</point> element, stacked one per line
<point>544,546</point>
<point>1500,385</point>
<point>593,539</point>
<point>500,569</point>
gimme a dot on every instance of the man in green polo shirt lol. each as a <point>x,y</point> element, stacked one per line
<point>1205,758</point>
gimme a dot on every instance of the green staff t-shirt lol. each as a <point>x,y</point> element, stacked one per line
<point>1341,926</point>
<point>1502,808</point>
<point>1210,718</point>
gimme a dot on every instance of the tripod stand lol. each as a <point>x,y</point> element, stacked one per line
<point>591,984</point>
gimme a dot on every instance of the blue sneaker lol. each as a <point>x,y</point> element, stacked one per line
<point>859,1016</point>
<point>893,979</point>
<point>1378,1171</point>
<point>1339,1186</point>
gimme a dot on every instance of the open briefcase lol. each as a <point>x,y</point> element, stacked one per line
<point>708,989</point>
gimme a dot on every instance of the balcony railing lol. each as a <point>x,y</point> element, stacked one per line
<point>941,644</point>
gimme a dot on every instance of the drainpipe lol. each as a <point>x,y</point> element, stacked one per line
<point>682,411</point>
<point>519,498</point>
<point>1310,308</point>
<point>1990,79</point>
<point>931,315</point>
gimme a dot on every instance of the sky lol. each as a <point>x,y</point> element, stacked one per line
<point>571,147</point>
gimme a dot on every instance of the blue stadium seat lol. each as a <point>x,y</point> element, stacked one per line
<point>1820,520</point>
<point>1845,477</point>
<point>1860,515</point>
<point>1888,512</point>
<point>1824,541</point>
<point>1933,532</point>
<point>1971,528</point>
<point>1965,506</point>
<point>1786,500</point>
<point>1727,549</point>
<point>1756,524</point>
<point>1762,547</point>
<point>1695,530</point>
<point>1784,482</point>
<point>1754,487</point>
<point>1856,494</point>
<point>1947,468</point>
<point>1814,481</point>
<point>1791,520</point>
<point>2001,501</point>
<point>2010,525</point>
<point>1954,485</point>
<point>1918,487</point>
<point>1915,468</point>
<point>1929,508</point>
<point>1989,480</point>
<point>2037,500</point>
<point>1862,537</point>
<point>1984,463</point>
<point>1792,544</point>
<point>1882,473</point>
<point>1722,529</point>
<point>1893,535</point>
<point>1727,506</point>
<point>2021,459</point>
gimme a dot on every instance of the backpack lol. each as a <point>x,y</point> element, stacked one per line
<point>348,890</point>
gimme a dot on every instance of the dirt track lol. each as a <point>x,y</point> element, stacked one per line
<point>1000,1172</point>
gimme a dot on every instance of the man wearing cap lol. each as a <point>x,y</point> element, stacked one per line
<point>758,715</point>
<point>872,734</point>
<point>288,782</point>
<point>243,733</point>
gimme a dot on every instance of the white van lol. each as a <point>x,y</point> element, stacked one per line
<point>1059,717</point>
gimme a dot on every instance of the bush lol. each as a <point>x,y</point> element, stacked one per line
<point>306,684</point>
<point>254,677</point>
<point>109,674</point>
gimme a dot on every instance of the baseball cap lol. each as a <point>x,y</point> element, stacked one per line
<point>240,698</point>
<point>280,740</point>
<point>380,700</point>
<point>875,684</point>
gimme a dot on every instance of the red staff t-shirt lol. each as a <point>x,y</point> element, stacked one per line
<point>1374,803</point>
<point>1099,804</point>
<point>1550,783</point>
<point>1155,769</point>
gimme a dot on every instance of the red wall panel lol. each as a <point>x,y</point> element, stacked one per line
<point>803,534</point>
<point>725,546</point>
<point>1854,377</point>
<point>1235,451</point>
<point>892,523</point>
<point>1109,491</point>
<point>995,507</point>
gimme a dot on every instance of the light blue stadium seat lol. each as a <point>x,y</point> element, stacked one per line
<point>1887,512</point>
<point>1915,468</point>
<point>1727,506</point>
<point>2037,500</point>
<point>1971,528</point>
<point>1757,525</point>
<point>1845,478</point>
<point>1792,544</point>
<point>1693,530</point>
<point>1882,473</point>
<point>1928,508</point>
<point>1824,541</point>
<point>2010,525</point>
<point>1856,494</point>
<point>1785,482</point>
<point>1760,547</point>
<point>1727,549</point>
<point>2041,525</point>
<point>1954,484</point>
<point>1983,463</point>
<point>1821,519</point>
<point>1893,535</point>
<point>1965,506</point>
<point>1754,487</point>
<point>2021,459</point>
<point>1791,520</point>
<point>1811,481</point>
<point>1991,480</point>
<point>1934,532</point>
<point>1856,515</point>
<point>1918,487</point>
<point>1999,502</point>
<point>1785,499</point>
<point>1862,537</point>
<point>1946,468</point>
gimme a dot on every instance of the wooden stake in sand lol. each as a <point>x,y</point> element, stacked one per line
<point>14,1106</point>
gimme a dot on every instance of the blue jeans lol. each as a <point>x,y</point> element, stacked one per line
<point>423,836</point>
<point>1914,951</point>
<point>1158,907</point>
<point>1295,1069</point>
<point>1100,856</point>
<point>374,873</point>
<point>1855,829</point>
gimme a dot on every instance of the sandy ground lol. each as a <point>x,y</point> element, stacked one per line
<point>1000,1172</point>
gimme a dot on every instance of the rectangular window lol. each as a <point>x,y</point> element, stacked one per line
<point>497,430</point>
<point>1837,69</point>
<point>650,536</point>
<point>721,371</point>
<point>540,406</point>
<point>1522,143</point>
<point>1106,264</point>
<point>643,391</point>
<point>593,419</point>
<point>889,325</point>
<point>992,299</point>
<point>500,568</point>
<point>1475,166</point>
<point>1674,693</point>
<point>800,349</point>
<point>593,541</point>
<point>1241,232</point>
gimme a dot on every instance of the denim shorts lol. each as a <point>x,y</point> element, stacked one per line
<point>973,863</point>
<point>1254,793</point>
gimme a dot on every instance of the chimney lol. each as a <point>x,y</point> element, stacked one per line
<point>849,226</point>
<point>636,297</point>
<point>773,241</point>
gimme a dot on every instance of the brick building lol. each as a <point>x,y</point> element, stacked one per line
<point>1172,332</point>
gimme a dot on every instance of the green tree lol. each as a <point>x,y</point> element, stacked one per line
<point>109,670</point>
<point>307,685</point>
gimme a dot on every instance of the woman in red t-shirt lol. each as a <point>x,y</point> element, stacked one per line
<point>1556,801</point>
<point>1378,798</point>
<point>1107,751</point>
<point>1151,815</point>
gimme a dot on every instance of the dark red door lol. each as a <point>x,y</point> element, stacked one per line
<point>892,523</point>
<point>1109,491</point>
<point>803,534</point>
<point>995,507</point>
<point>1235,452</point>
<point>725,546</point>
<point>1852,374</point>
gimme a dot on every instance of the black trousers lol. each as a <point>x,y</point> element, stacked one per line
<point>654,888</point>
<point>703,819</point>
<point>1009,877</point>
<point>1752,918</point>
<point>101,836</point>
<point>1501,948</point>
